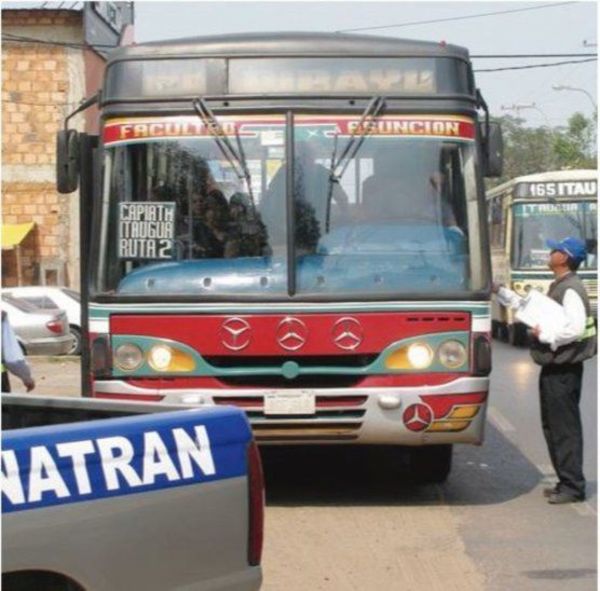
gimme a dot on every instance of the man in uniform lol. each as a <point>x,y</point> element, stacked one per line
<point>561,353</point>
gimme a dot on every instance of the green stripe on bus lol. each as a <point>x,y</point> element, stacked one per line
<point>477,310</point>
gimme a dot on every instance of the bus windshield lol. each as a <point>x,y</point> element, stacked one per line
<point>398,215</point>
<point>534,223</point>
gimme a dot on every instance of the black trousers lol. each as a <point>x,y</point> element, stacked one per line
<point>560,392</point>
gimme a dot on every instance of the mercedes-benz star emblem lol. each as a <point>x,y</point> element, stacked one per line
<point>292,334</point>
<point>417,417</point>
<point>236,334</point>
<point>347,333</point>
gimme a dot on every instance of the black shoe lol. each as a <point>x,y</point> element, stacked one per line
<point>562,497</point>
<point>550,490</point>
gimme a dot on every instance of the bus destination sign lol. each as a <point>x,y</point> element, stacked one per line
<point>146,230</point>
<point>120,131</point>
<point>587,188</point>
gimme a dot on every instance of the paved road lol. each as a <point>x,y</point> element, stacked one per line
<point>350,519</point>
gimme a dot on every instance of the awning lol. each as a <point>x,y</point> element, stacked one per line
<point>14,234</point>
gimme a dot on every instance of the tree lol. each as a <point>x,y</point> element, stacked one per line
<point>528,150</point>
<point>575,146</point>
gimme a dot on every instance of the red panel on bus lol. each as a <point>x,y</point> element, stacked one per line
<point>287,334</point>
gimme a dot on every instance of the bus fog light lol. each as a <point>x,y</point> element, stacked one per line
<point>452,354</point>
<point>160,357</point>
<point>420,355</point>
<point>128,357</point>
<point>389,401</point>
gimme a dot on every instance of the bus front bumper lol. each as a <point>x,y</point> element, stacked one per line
<point>424,415</point>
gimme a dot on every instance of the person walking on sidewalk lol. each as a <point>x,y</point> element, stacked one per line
<point>561,353</point>
<point>13,359</point>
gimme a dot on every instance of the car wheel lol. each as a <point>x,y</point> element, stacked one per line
<point>76,346</point>
<point>431,463</point>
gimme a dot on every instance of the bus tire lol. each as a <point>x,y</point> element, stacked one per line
<point>430,464</point>
<point>503,332</point>
<point>496,329</point>
<point>517,334</point>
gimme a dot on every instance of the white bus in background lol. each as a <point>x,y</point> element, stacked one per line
<point>525,212</point>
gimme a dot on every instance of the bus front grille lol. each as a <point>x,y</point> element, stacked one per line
<point>286,431</point>
<point>336,418</point>
<point>591,286</point>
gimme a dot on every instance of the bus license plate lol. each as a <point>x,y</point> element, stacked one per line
<point>290,403</point>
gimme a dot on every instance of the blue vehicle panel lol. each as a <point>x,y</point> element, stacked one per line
<point>46,466</point>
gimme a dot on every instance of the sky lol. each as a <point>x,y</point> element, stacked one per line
<point>550,28</point>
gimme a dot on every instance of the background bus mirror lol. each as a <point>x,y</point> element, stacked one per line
<point>493,150</point>
<point>67,161</point>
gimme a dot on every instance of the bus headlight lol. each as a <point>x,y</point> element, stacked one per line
<point>520,288</point>
<point>160,357</point>
<point>419,355</point>
<point>164,358</point>
<point>452,354</point>
<point>128,357</point>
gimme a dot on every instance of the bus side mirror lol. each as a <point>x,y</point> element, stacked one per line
<point>67,160</point>
<point>493,149</point>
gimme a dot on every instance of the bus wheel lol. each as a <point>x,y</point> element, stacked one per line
<point>517,334</point>
<point>503,332</point>
<point>430,464</point>
<point>496,329</point>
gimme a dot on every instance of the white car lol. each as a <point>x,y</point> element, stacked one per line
<point>46,298</point>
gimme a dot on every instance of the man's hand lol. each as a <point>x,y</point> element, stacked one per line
<point>536,331</point>
<point>496,287</point>
<point>29,384</point>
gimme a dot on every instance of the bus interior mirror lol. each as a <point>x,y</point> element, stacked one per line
<point>493,149</point>
<point>67,160</point>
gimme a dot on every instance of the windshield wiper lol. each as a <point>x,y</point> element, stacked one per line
<point>237,159</point>
<point>373,110</point>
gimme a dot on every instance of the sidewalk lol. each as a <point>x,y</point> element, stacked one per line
<point>54,376</point>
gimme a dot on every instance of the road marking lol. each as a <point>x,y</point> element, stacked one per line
<point>584,509</point>
<point>499,420</point>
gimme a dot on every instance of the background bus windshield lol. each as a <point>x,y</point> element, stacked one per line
<point>398,215</point>
<point>534,223</point>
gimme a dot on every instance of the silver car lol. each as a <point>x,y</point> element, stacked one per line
<point>49,297</point>
<point>39,332</point>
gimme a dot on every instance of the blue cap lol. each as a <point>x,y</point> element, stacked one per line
<point>574,248</point>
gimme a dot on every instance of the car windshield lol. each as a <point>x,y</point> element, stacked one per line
<point>535,223</point>
<point>398,214</point>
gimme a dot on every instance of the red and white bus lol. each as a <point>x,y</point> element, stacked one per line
<point>294,224</point>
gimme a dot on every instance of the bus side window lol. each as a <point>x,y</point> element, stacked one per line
<point>497,223</point>
<point>504,209</point>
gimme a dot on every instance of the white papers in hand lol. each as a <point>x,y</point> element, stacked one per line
<point>540,310</point>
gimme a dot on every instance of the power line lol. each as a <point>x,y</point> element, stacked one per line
<point>456,18</point>
<point>20,39</point>
<point>530,55</point>
<point>10,38</point>
<point>537,65</point>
